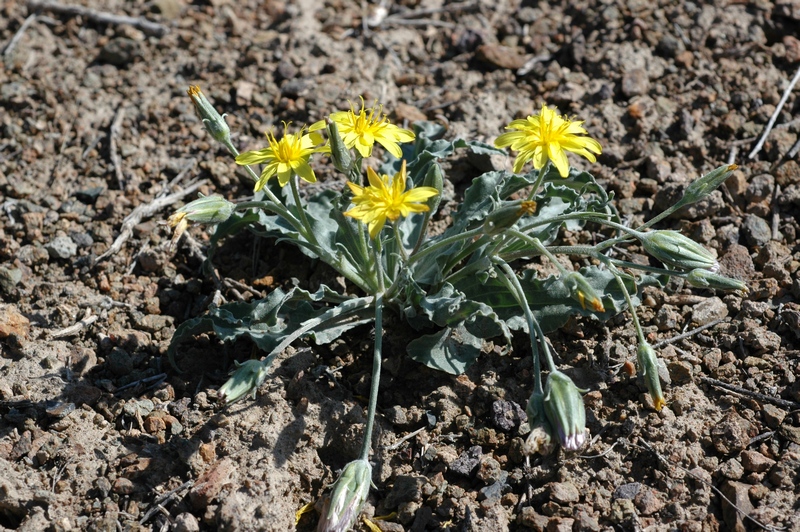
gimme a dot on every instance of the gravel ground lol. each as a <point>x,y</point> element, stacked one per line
<point>98,432</point>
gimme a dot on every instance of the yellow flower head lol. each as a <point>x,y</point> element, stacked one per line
<point>545,137</point>
<point>285,157</point>
<point>368,126</point>
<point>386,197</point>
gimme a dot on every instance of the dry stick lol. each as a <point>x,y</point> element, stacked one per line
<point>783,403</point>
<point>154,508</point>
<point>72,330</point>
<point>687,334</point>
<point>401,441</point>
<point>774,116</point>
<point>148,27</point>
<point>716,490</point>
<point>116,160</point>
<point>17,36</point>
<point>776,215</point>
<point>147,210</point>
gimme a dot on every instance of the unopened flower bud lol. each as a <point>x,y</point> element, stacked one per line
<point>246,379</point>
<point>705,279</point>
<point>678,251</point>
<point>349,493</point>
<point>648,367</point>
<point>703,186</point>
<point>563,405</point>
<point>434,179</point>
<point>540,439</point>
<point>506,215</point>
<point>205,209</point>
<point>214,122</point>
<point>340,155</point>
<point>581,291</point>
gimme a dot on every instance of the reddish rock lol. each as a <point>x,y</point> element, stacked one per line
<point>756,462</point>
<point>123,486</point>
<point>500,56</point>
<point>211,482</point>
<point>12,322</point>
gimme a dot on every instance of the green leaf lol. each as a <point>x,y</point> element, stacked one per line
<point>451,350</point>
<point>269,320</point>
<point>450,308</point>
<point>549,299</point>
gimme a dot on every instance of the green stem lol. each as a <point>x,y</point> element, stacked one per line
<point>681,203</point>
<point>443,243</point>
<point>586,216</point>
<point>629,301</point>
<point>537,244</point>
<point>378,255</point>
<point>376,358</point>
<point>366,445</point>
<point>399,240</point>
<point>309,231</point>
<point>539,179</point>
<point>265,205</point>
<point>464,253</point>
<point>344,310</point>
<point>533,325</point>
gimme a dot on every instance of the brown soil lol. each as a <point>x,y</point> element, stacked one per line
<point>98,432</point>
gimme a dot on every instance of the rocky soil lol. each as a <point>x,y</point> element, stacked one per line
<point>98,432</point>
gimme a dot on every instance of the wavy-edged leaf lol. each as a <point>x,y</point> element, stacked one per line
<point>269,320</point>
<point>549,299</point>
<point>451,350</point>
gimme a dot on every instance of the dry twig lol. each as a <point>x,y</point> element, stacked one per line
<point>774,116</point>
<point>688,334</point>
<point>102,17</point>
<point>147,210</point>
<point>662,459</point>
<point>116,160</point>
<point>17,36</point>
<point>783,403</point>
<point>88,319</point>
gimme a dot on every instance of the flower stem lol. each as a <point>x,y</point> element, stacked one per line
<point>537,244</point>
<point>539,179</point>
<point>344,310</point>
<point>512,282</point>
<point>376,377</point>
<point>309,231</point>
<point>443,243</point>
<point>376,356</point>
<point>628,300</point>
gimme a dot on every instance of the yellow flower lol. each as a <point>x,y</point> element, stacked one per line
<point>368,126</point>
<point>545,137</point>
<point>386,197</point>
<point>285,157</point>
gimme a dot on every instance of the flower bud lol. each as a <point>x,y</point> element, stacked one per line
<point>214,122</point>
<point>648,367</point>
<point>678,251</point>
<point>434,179</point>
<point>581,291</point>
<point>340,155</point>
<point>246,379</point>
<point>540,439</point>
<point>705,279</point>
<point>205,210</point>
<point>563,405</point>
<point>349,493</point>
<point>703,186</point>
<point>506,215</point>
